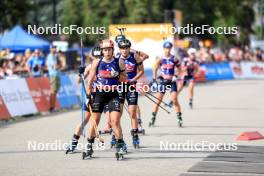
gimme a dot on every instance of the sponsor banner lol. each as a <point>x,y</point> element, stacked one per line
<point>253,70</point>
<point>74,80</point>
<point>17,98</point>
<point>200,75</point>
<point>147,38</point>
<point>219,71</point>
<point>224,71</point>
<point>67,94</point>
<point>37,94</point>
<point>4,114</point>
<point>44,84</point>
<point>237,70</point>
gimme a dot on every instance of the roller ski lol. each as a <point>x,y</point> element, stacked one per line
<point>89,149</point>
<point>135,138</point>
<point>71,148</point>
<point>135,141</point>
<point>120,145</point>
<point>141,130</point>
<point>191,104</point>
<point>113,141</point>
<point>106,131</point>
<point>153,119</point>
<point>179,119</point>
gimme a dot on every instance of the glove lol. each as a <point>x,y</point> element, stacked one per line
<point>114,73</point>
<point>174,78</point>
<point>88,100</point>
<point>81,70</point>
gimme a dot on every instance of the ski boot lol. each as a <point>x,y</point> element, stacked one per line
<point>120,145</point>
<point>135,138</point>
<point>179,119</point>
<point>113,141</point>
<point>71,148</point>
<point>89,149</point>
<point>141,128</point>
<point>191,104</point>
<point>153,119</point>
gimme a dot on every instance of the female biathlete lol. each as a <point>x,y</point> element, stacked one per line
<point>134,70</point>
<point>95,54</point>
<point>167,65</point>
<point>107,72</point>
<point>190,66</point>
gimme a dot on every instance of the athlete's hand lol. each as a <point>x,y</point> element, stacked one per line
<point>88,100</point>
<point>81,70</point>
<point>174,78</point>
<point>114,73</point>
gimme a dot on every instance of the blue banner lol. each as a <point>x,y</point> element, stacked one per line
<point>218,71</point>
<point>67,94</point>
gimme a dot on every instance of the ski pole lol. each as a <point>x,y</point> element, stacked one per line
<point>157,104</point>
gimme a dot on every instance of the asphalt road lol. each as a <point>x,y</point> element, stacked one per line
<point>222,110</point>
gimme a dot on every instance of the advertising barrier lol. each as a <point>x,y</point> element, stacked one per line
<point>39,98</point>
<point>32,95</point>
<point>217,71</point>
<point>67,95</point>
<point>17,98</point>
<point>4,114</point>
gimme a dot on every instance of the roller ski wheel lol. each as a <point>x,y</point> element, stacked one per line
<point>136,142</point>
<point>190,105</point>
<point>71,148</point>
<point>142,131</point>
<point>180,123</point>
<point>119,156</point>
<point>110,131</point>
<point>88,154</point>
<point>113,142</point>
<point>121,149</point>
<point>152,122</point>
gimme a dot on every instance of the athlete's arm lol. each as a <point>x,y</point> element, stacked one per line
<point>178,65</point>
<point>143,56</point>
<point>196,68</point>
<point>123,75</point>
<point>140,70</point>
<point>155,68</point>
<point>91,76</point>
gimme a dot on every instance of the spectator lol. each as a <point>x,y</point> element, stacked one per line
<point>36,64</point>
<point>259,54</point>
<point>54,67</point>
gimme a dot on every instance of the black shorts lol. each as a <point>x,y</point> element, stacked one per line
<point>102,99</point>
<point>187,79</point>
<point>131,97</point>
<point>167,86</point>
<point>128,93</point>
